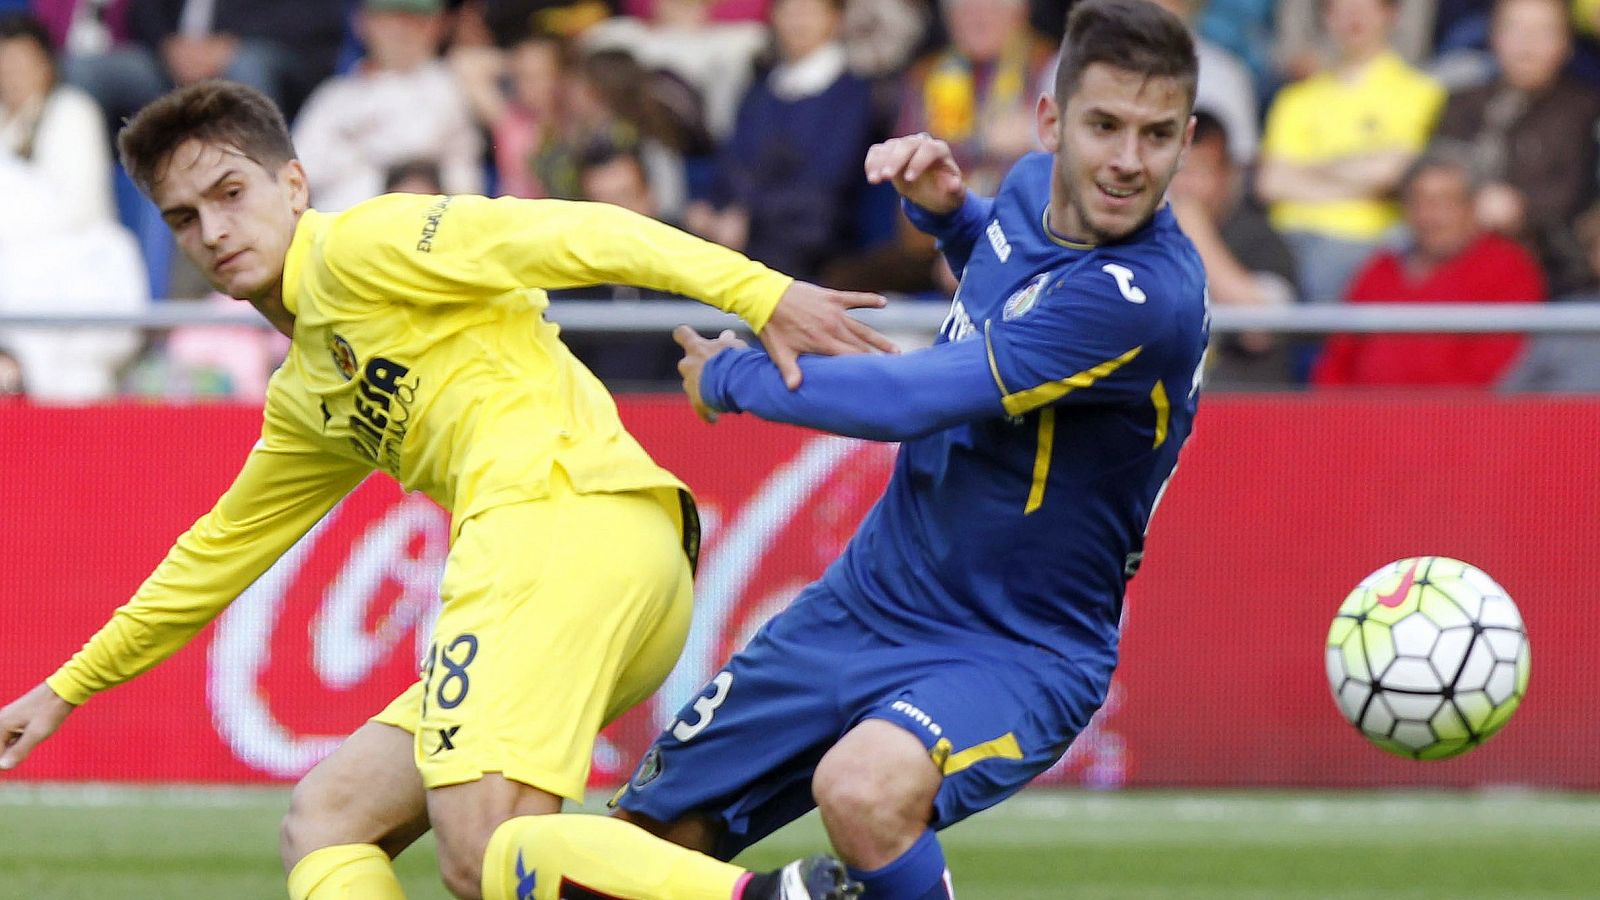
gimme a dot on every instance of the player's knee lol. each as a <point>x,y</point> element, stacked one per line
<point>461,872</point>
<point>852,791</point>
<point>310,824</point>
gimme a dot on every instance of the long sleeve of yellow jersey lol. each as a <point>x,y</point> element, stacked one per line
<point>282,490</point>
<point>475,247</point>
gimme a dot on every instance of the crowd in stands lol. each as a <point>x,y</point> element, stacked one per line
<point>1346,151</point>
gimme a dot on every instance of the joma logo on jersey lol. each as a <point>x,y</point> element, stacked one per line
<point>957,325</point>
<point>383,412</point>
<point>997,240</point>
<point>916,715</point>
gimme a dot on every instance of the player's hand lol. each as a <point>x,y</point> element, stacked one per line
<point>696,351</point>
<point>922,169</point>
<point>27,720</point>
<point>812,319</point>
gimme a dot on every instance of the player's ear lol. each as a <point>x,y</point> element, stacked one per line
<point>293,174</point>
<point>1047,116</point>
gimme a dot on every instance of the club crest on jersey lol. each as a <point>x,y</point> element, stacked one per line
<point>344,358</point>
<point>1018,304</point>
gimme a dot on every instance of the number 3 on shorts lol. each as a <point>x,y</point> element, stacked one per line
<point>705,708</point>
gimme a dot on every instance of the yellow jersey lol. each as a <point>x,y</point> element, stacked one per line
<point>420,348</point>
<point>1387,106</point>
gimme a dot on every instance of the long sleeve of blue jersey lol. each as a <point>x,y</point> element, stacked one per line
<point>957,232</point>
<point>877,397</point>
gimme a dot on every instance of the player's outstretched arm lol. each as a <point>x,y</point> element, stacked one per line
<point>878,397</point>
<point>26,721</point>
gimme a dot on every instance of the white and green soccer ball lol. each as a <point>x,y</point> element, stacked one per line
<point>1428,657</point>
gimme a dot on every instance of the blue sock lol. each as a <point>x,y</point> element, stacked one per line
<point>918,874</point>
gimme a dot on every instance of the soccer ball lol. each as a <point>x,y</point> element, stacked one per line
<point>1428,657</point>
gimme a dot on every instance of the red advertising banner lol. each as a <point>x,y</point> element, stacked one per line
<point>1280,505</point>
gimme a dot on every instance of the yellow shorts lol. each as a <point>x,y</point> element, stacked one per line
<point>559,614</point>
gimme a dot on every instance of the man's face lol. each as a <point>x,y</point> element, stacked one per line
<point>1358,27</point>
<point>1117,143</point>
<point>1438,205</point>
<point>399,41</point>
<point>1530,42</point>
<point>622,182</point>
<point>979,29</point>
<point>232,218</point>
<point>1208,177</point>
<point>803,26</point>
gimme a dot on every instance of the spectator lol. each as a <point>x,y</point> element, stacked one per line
<point>12,387</point>
<point>1450,259</point>
<point>210,362</point>
<point>503,23</point>
<point>1532,132</point>
<point>98,53</point>
<point>401,104</point>
<point>526,114</point>
<point>1225,89</point>
<point>881,36</point>
<point>61,249</point>
<point>1337,143</point>
<point>715,10</point>
<point>715,58</point>
<point>418,176</point>
<point>782,194</point>
<point>284,48</point>
<point>978,93</point>
<point>615,174</point>
<point>1244,28</point>
<point>1247,263</point>
<point>1307,45</point>
<point>1565,363</point>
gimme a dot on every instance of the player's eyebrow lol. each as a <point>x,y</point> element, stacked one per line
<point>231,173</point>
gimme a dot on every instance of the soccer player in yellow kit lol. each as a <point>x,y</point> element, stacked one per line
<point>419,348</point>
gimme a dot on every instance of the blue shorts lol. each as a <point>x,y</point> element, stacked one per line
<point>744,750</point>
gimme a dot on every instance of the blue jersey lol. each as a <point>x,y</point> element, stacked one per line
<point>1062,387</point>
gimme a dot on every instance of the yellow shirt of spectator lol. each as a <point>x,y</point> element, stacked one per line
<point>420,348</point>
<point>1388,106</point>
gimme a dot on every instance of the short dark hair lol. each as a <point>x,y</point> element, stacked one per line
<point>1134,35</point>
<point>1450,154</point>
<point>215,112</point>
<point>27,27</point>
<point>1207,127</point>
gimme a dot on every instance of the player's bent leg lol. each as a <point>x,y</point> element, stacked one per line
<point>694,831</point>
<point>535,854</point>
<point>351,814</point>
<point>875,789</point>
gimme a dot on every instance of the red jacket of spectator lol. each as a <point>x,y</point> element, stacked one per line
<point>1492,269</point>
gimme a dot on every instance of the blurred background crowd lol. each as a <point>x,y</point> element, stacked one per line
<point>1346,151</point>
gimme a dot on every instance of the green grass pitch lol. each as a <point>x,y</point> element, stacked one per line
<point>179,843</point>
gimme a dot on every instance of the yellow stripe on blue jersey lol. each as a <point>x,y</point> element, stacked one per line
<point>420,348</point>
<point>1158,399</point>
<point>951,761</point>
<point>1019,402</point>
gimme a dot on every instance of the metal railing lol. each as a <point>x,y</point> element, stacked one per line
<point>635,316</point>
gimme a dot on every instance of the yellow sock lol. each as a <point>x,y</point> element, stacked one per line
<point>345,872</point>
<point>531,857</point>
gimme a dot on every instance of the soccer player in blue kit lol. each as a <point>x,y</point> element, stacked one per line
<point>969,630</point>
